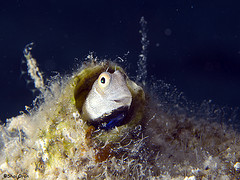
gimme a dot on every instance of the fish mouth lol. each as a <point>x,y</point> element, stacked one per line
<point>110,120</point>
<point>124,101</point>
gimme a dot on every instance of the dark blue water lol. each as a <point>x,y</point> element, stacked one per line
<point>193,45</point>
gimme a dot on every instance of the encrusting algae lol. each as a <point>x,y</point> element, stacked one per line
<point>53,140</point>
<point>158,140</point>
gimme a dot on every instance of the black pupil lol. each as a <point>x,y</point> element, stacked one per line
<point>103,80</point>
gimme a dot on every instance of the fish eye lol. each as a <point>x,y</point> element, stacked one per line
<point>104,79</point>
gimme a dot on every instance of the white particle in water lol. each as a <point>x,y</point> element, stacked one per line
<point>237,166</point>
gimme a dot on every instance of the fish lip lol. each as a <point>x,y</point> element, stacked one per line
<point>117,101</point>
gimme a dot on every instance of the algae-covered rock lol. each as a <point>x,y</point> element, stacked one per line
<point>53,140</point>
<point>161,137</point>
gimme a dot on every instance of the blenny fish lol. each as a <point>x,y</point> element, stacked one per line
<point>108,101</point>
<point>106,98</point>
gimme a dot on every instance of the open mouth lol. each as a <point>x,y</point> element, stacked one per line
<point>110,120</point>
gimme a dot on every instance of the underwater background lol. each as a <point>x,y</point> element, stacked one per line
<point>194,45</point>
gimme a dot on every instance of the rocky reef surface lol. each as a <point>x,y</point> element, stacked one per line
<point>173,139</point>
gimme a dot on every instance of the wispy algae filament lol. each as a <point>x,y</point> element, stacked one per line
<point>142,63</point>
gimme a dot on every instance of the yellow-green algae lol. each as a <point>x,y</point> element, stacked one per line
<point>53,142</point>
<point>60,138</point>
